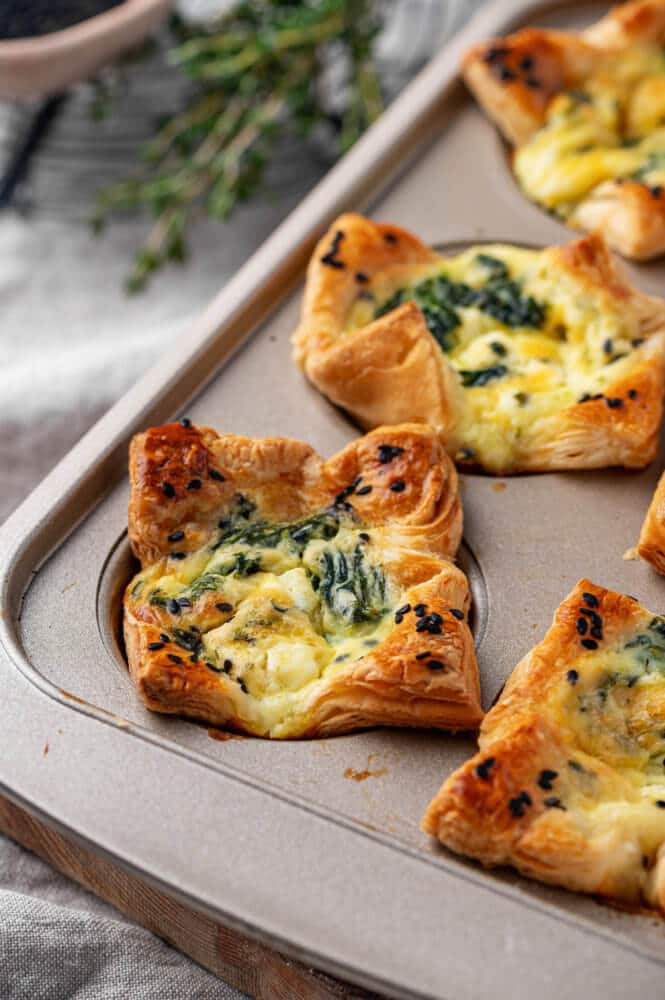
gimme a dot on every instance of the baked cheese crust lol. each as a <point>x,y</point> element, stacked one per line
<point>568,785</point>
<point>524,360</point>
<point>284,596</point>
<point>586,113</point>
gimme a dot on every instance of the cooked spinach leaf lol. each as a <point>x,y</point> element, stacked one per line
<point>439,298</point>
<point>353,589</point>
<point>475,378</point>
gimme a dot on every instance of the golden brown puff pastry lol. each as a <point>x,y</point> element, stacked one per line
<point>651,545</point>
<point>285,596</point>
<point>523,360</point>
<point>568,785</point>
<point>586,114</point>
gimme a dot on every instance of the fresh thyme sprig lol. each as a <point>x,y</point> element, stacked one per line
<point>257,73</point>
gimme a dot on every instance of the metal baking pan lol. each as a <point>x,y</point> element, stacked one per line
<point>277,839</point>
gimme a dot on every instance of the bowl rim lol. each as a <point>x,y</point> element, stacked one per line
<point>83,31</point>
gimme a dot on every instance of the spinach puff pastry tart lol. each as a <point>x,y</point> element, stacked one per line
<point>569,783</point>
<point>284,596</point>
<point>586,113</point>
<point>524,360</point>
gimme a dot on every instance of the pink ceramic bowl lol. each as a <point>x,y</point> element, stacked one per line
<point>47,64</point>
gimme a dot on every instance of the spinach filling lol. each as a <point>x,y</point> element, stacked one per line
<point>439,298</point>
<point>351,587</point>
<point>648,655</point>
<point>268,535</point>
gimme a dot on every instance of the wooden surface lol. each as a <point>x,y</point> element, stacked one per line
<point>245,964</point>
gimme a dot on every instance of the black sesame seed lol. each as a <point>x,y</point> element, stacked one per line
<point>607,345</point>
<point>361,277</point>
<point>614,402</point>
<point>404,610</point>
<point>390,238</point>
<point>552,802</point>
<point>660,803</point>
<point>363,536</point>
<point>186,422</point>
<point>435,665</point>
<point>389,451</point>
<point>590,599</point>
<point>341,658</point>
<point>398,486</point>
<point>164,637</point>
<point>572,676</point>
<point>494,53</point>
<point>211,666</point>
<point>419,610</point>
<point>399,618</point>
<point>545,779</point>
<point>176,536</point>
<point>177,555</point>
<point>224,606</point>
<point>521,398</point>
<point>175,658</point>
<point>330,258</point>
<point>172,606</point>
<point>483,769</point>
<point>526,63</point>
<point>217,476</point>
<point>638,341</point>
<point>506,74</point>
<point>581,626</point>
<point>593,617</point>
<point>168,490</point>
<point>499,349</point>
<point>518,804</point>
<point>436,617</point>
<point>185,602</point>
<point>575,765</point>
<point>228,665</point>
<point>243,686</point>
<point>363,491</point>
<point>194,658</point>
<point>155,645</point>
<point>193,484</point>
<point>457,613</point>
<point>656,190</point>
<point>464,454</point>
<point>589,643</point>
<point>632,393</point>
<point>426,653</point>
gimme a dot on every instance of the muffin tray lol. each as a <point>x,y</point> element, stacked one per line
<point>314,847</point>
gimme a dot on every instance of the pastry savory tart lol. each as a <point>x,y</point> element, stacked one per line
<point>524,360</point>
<point>569,782</point>
<point>586,113</point>
<point>651,545</point>
<point>284,596</point>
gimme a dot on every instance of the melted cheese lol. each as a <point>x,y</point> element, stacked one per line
<point>301,614</point>
<point>614,127</point>
<point>581,348</point>
<point>613,715</point>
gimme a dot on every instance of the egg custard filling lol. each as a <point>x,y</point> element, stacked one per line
<point>610,127</point>
<point>525,340</point>
<point>611,706</point>
<point>569,781</point>
<point>278,608</point>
